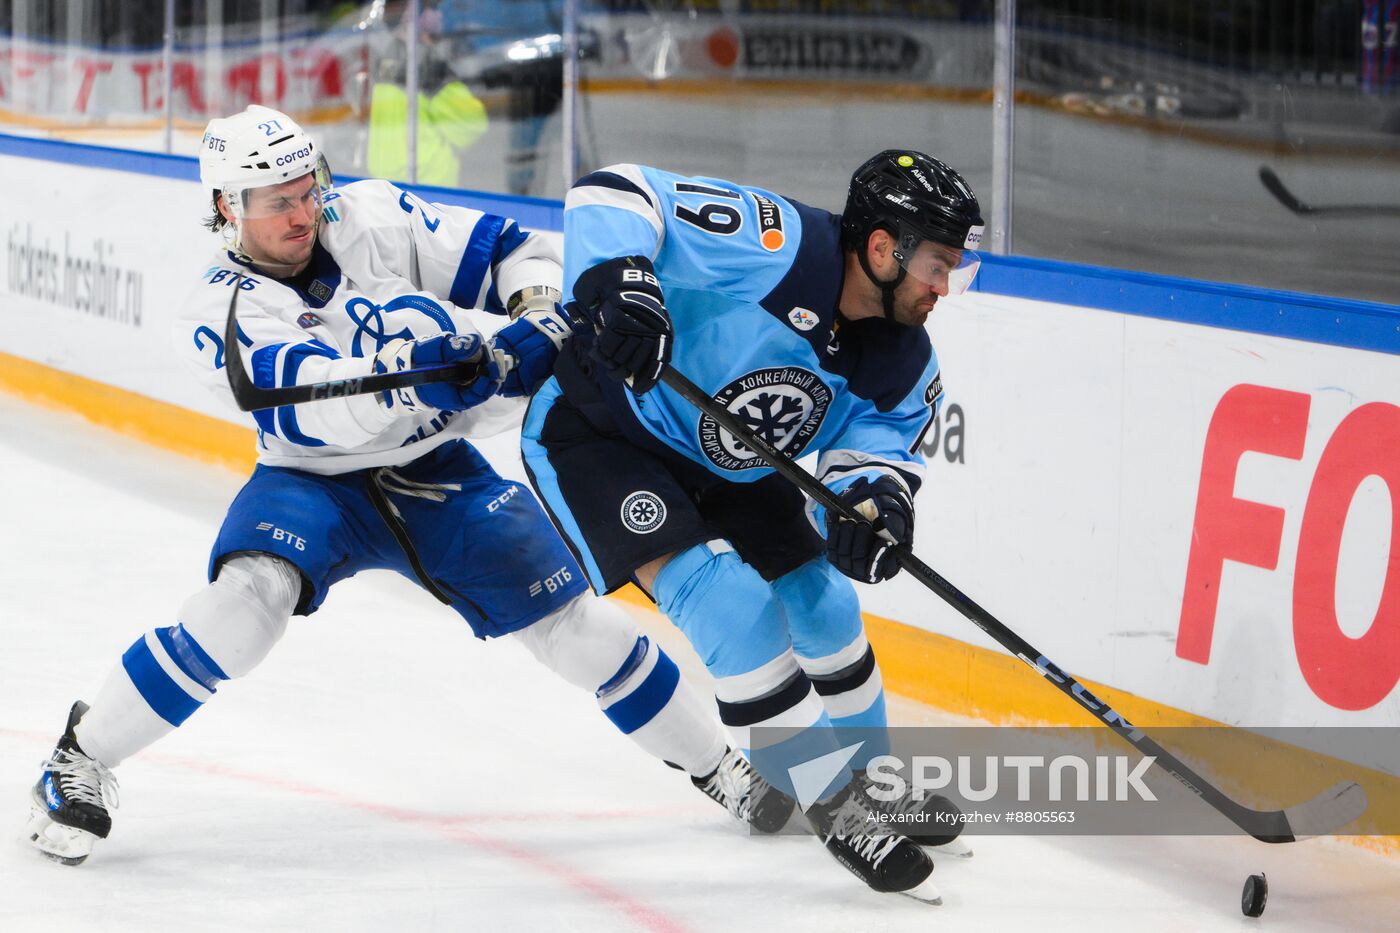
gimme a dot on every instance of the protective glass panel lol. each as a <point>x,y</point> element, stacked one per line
<point>1246,142</point>
<point>306,58</point>
<point>81,71</point>
<point>786,95</point>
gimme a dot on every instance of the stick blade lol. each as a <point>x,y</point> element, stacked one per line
<point>1329,811</point>
<point>1274,185</point>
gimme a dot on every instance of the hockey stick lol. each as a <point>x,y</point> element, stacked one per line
<point>251,397</point>
<point>1274,185</point>
<point>1327,812</point>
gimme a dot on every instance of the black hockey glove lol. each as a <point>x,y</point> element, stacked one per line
<point>622,300</point>
<point>857,548</point>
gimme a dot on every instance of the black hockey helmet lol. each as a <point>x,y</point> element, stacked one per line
<point>913,196</point>
<point>916,199</point>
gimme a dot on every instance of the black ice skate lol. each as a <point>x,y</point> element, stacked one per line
<point>737,787</point>
<point>935,821</point>
<point>852,831</point>
<point>69,804</point>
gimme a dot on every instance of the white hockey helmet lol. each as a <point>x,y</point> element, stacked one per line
<point>254,149</point>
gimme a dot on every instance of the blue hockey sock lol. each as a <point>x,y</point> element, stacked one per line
<point>735,621</point>
<point>823,613</point>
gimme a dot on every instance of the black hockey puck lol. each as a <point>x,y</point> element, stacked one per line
<point>1255,896</point>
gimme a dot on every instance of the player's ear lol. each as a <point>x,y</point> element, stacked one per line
<point>224,211</point>
<point>879,249</point>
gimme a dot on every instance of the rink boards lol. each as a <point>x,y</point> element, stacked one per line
<point>1186,493</point>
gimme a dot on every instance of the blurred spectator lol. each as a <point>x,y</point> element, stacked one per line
<point>450,117</point>
<point>516,45</point>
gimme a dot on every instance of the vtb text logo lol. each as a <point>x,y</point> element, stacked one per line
<point>1347,673</point>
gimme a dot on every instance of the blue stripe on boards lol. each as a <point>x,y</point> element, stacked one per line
<point>641,705</point>
<point>157,164</point>
<point>1341,322</point>
<point>534,213</point>
<point>531,213</point>
<point>156,687</point>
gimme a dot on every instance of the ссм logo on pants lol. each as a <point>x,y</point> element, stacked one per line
<point>643,512</point>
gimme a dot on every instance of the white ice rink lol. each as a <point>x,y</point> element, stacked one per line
<point>383,770</point>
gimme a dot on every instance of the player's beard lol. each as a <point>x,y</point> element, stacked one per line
<point>914,311</point>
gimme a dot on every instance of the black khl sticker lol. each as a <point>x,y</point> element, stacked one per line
<point>643,512</point>
<point>785,406</point>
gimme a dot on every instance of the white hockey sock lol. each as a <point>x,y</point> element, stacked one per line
<point>593,645</point>
<point>223,631</point>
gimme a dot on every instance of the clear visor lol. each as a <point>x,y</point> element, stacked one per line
<point>295,199</point>
<point>945,269</point>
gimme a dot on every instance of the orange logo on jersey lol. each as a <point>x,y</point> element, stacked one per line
<point>770,223</point>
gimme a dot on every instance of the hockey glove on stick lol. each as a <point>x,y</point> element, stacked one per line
<point>438,350</point>
<point>622,300</point>
<point>526,349</point>
<point>858,549</point>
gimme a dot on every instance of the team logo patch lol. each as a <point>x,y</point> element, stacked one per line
<point>770,223</point>
<point>802,319</point>
<point>643,512</point>
<point>374,323</point>
<point>785,406</point>
<point>308,321</point>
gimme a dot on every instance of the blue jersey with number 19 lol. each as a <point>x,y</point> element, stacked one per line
<point>752,281</point>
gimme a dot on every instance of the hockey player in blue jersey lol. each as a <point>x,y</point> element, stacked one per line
<point>808,326</point>
<point>335,284</point>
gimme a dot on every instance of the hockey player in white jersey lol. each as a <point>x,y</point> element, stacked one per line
<point>336,284</point>
<point>808,327</point>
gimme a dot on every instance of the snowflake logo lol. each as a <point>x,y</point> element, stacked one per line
<point>785,406</point>
<point>772,416</point>
<point>643,512</point>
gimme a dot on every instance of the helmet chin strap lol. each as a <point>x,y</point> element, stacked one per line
<point>886,288</point>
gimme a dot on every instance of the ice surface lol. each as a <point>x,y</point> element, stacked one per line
<point>385,770</point>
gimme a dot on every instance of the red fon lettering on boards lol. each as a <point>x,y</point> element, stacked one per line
<point>1344,672</point>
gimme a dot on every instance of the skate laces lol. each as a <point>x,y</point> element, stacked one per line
<point>83,780</point>
<point>731,784</point>
<point>873,848</point>
<point>850,823</point>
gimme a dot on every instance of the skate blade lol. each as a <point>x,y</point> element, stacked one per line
<point>955,849</point>
<point>54,841</point>
<point>926,892</point>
